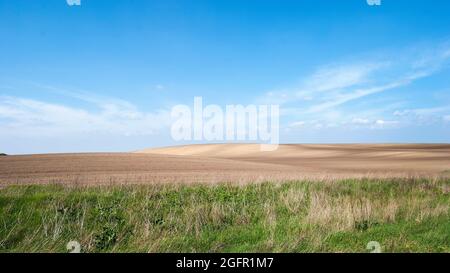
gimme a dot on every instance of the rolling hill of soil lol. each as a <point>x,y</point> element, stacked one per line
<point>235,163</point>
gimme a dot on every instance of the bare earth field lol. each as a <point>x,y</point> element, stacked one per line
<point>236,163</point>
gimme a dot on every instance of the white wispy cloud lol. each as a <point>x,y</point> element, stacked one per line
<point>21,116</point>
<point>347,96</point>
<point>160,87</point>
<point>330,93</point>
<point>424,115</point>
<point>327,79</point>
<point>360,121</point>
<point>423,111</point>
<point>337,77</point>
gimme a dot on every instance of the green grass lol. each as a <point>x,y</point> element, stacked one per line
<point>402,215</point>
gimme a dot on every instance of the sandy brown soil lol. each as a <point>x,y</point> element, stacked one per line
<point>238,163</point>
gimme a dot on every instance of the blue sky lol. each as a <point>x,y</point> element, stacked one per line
<point>103,76</point>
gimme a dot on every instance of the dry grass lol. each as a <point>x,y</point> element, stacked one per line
<point>403,215</point>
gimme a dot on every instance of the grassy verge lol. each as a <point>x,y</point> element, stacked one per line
<point>402,215</point>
